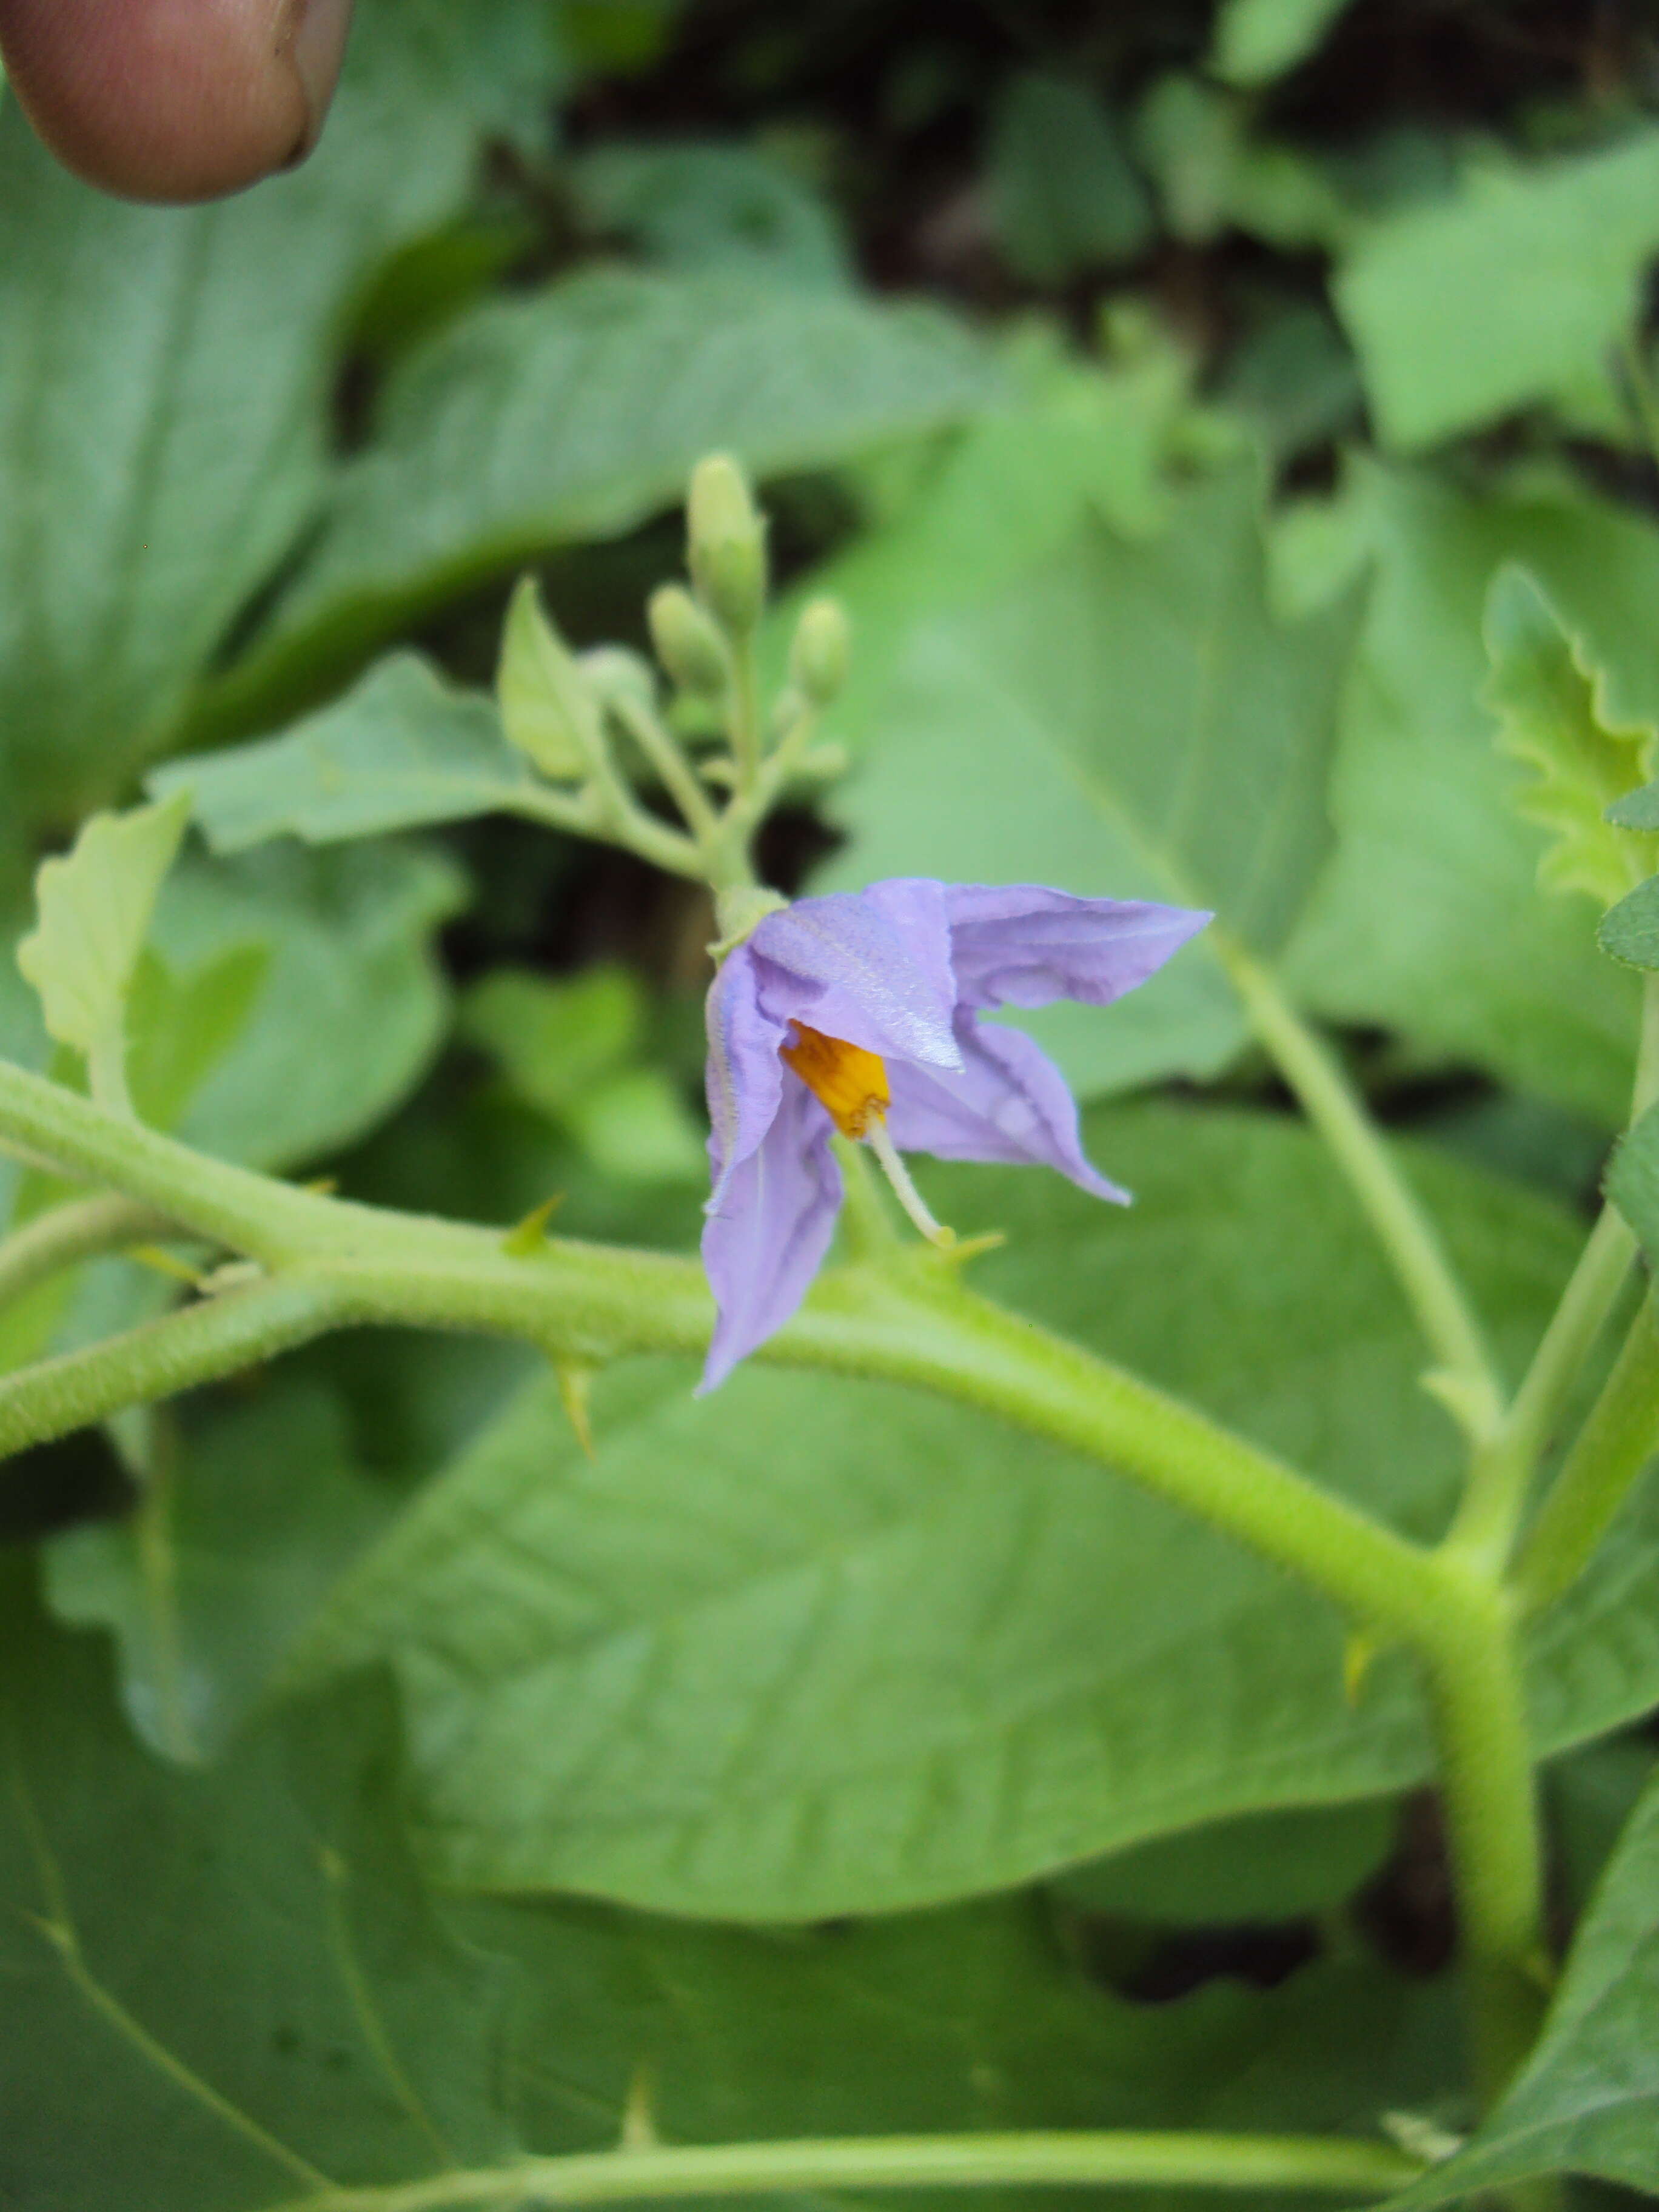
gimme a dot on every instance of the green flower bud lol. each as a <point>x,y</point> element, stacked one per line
<point>688,644</point>
<point>820,654</point>
<point>619,675</point>
<point>726,536</point>
<point>548,710</point>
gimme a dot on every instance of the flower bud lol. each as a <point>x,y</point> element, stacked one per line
<point>548,710</point>
<point>726,535</point>
<point>820,654</point>
<point>616,675</point>
<point>688,644</point>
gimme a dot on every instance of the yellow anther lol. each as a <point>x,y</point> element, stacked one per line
<point>851,1083</point>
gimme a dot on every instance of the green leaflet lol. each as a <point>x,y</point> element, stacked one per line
<point>95,905</point>
<point>809,1647</point>
<point>1550,702</point>
<point>1574,234</point>
<point>1126,717</point>
<point>548,713</point>
<point>401,748</point>
<point>576,412</point>
<point>1588,2100</point>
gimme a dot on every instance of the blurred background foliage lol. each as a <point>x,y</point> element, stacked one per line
<point>1159,387</point>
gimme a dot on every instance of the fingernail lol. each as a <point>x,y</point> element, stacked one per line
<point>316,43</point>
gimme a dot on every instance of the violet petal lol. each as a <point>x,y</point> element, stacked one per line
<point>1010,1103</point>
<point>744,1076</point>
<point>871,966</point>
<point>766,1237</point>
<point>1022,944</point>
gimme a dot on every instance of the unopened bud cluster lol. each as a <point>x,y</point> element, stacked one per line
<point>577,717</point>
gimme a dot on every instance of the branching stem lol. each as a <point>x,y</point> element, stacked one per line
<point>329,1264</point>
<point>79,1229</point>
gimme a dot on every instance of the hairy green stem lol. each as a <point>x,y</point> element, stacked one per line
<point>1616,1442</point>
<point>1489,1794</point>
<point>1467,1378</point>
<point>200,1343</point>
<point>1082,2160</point>
<point>1502,1472</point>
<point>332,1263</point>
<point>79,1229</point>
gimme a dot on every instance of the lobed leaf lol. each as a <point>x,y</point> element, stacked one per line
<point>1432,864</point>
<point>1549,701</point>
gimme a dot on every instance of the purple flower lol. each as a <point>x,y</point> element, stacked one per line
<point>861,1012</point>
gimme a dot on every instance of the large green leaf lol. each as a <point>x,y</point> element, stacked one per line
<point>1553,255</point>
<point>1128,718</point>
<point>1433,867</point>
<point>1588,2100</point>
<point>970,2019</point>
<point>577,412</point>
<point>400,748</point>
<point>201,1967</point>
<point>218,1984</point>
<point>807,1647</point>
<point>164,390</point>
